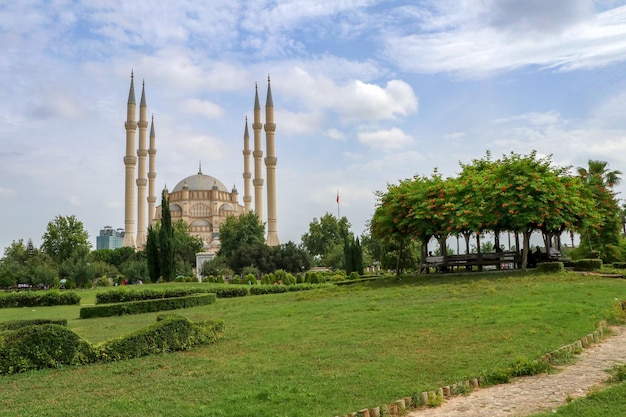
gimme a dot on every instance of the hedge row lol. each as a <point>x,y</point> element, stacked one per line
<point>220,291</point>
<point>18,324</point>
<point>169,334</point>
<point>51,346</point>
<point>275,289</point>
<point>550,267</point>
<point>38,298</point>
<point>146,306</point>
<point>588,265</point>
<point>124,295</point>
<point>42,346</point>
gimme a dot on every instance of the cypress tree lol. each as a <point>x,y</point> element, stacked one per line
<point>166,240</point>
<point>152,254</point>
<point>348,258</point>
<point>357,256</point>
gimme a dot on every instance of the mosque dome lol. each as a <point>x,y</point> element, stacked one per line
<point>199,182</point>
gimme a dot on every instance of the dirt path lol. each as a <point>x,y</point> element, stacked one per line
<point>532,394</point>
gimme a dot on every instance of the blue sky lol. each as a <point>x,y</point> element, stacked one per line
<point>366,92</point>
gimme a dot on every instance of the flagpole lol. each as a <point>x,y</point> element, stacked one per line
<point>338,212</point>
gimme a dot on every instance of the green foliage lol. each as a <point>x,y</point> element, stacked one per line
<point>166,240</point>
<point>236,279</point>
<point>38,298</point>
<point>152,254</point>
<point>103,282</point>
<point>42,346</point>
<point>250,279</point>
<point>268,279</point>
<point>124,294</point>
<point>550,267</point>
<point>78,270</point>
<point>25,264</point>
<point>519,367</point>
<point>135,270</point>
<point>312,277</point>
<point>216,267</point>
<point>171,333</point>
<point>588,265</point>
<point>64,236</point>
<point>146,306</point>
<point>325,234</point>
<point>232,291</point>
<point>251,270</point>
<point>18,324</point>
<point>618,373</point>
<point>278,289</point>
<point>237,232</point>
<point>353,275</point>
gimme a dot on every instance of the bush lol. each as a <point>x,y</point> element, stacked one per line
<point>619,265</point>
<point>277,289</point>
<point>146,306</point>
<point>230,292</point>
<point>268,279</point>
<point>550,267</point>
<point>103,282</point>
<point>354,275</point>
<point>18,324</point>
<point>236,279</point>
<point>588,265</point>
<point>38,299</point>
<point>123,294</point>
<point>250,279</point>
<point>170,333</point>
<point>42,346</point>
<point>312,277</point>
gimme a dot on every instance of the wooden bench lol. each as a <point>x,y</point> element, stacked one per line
<point>467,261</point>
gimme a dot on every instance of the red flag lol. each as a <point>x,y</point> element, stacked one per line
<point>337,196</point>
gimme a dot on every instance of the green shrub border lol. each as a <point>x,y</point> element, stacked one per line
<point>38,298</point>
<point>550,267</point>
<point>588,265</point>
<point>18,324</point>
<point>146,306</point>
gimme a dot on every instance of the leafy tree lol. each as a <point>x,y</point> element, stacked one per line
<point>25,264</point>
<point>293,258</point>
<point>216,267</point>
<point>602,235</point>
<point>236,232</point>
<point>166,240</point>
<point>64,235</point>
<point>117,256</point>
<point>135,270</point>
<point>324,234</point>
<point>78,269</point>
<point>186,245</point>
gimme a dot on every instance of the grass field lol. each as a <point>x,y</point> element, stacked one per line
<point>322,352</point>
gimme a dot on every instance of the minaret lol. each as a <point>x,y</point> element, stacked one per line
<point>129,162</point>
<point>142,179</point>
<point>258,157</point>
<point>270,164</point>
<point>247,175</point>
<point>152,174</point>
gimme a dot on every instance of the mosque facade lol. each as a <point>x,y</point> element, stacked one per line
<point>200,200</point>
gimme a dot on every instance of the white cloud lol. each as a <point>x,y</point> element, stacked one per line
<point>386,140</point>
<point>477,46</point>
<point>335,134</point>
<point>203,107</point>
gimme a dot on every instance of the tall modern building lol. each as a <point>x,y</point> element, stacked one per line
<point>201,200</point>
<point>110,238</point>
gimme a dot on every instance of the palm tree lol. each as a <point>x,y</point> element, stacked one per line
<point>597,171</point>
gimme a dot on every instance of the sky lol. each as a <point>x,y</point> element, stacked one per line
<point>366,93</point>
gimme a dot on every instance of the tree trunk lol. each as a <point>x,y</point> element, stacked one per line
<point>526,248</point>
<point>399,262</point>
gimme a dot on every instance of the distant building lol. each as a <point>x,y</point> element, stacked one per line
<point>110,238</point>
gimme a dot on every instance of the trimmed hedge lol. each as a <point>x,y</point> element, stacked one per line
<point>124,295</point>
<point>170,333</point>
<point>550,267</point>
<point>42,346</point>
<point>619,265</point>
<point>277,289</point>
<point>38,298</point>
<point>51,346</point>
<point>230,292</point>
<point>588,265</point>
<point>146,306</point>
<point>18,324</point>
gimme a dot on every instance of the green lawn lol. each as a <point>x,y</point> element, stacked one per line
<point>321,352</point>
<point>605,403</point>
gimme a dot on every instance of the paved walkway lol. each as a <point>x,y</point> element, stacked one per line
<point>545,392</point>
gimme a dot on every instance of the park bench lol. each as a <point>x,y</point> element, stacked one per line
<point>468,261</point>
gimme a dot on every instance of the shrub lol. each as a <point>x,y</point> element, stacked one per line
<point>37,299</point>
<point>103,282</point>
<point>619,265</point>
<point>250,279</point>
<point>146,306</point>
<point>550,267</point>
<point>299,279</point>
<point>312,277</point>
<point>170,333</point>
<point>289,279</point>
<point>268,279</point>
<point>18,324</point>
<point>250,270</point>
<point>354,275</point>
<point>230,292</point>
<point>588,265</point>
<point>42,346</point>
<point>236,279</point>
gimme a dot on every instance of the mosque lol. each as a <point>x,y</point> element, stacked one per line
<point>201,200</point>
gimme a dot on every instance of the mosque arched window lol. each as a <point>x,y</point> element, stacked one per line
<point>200,210</point>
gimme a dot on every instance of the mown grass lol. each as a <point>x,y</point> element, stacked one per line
<point>322,352</point>
<point>607,402</point>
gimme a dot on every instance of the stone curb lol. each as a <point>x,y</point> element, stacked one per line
<point>438,396</point>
